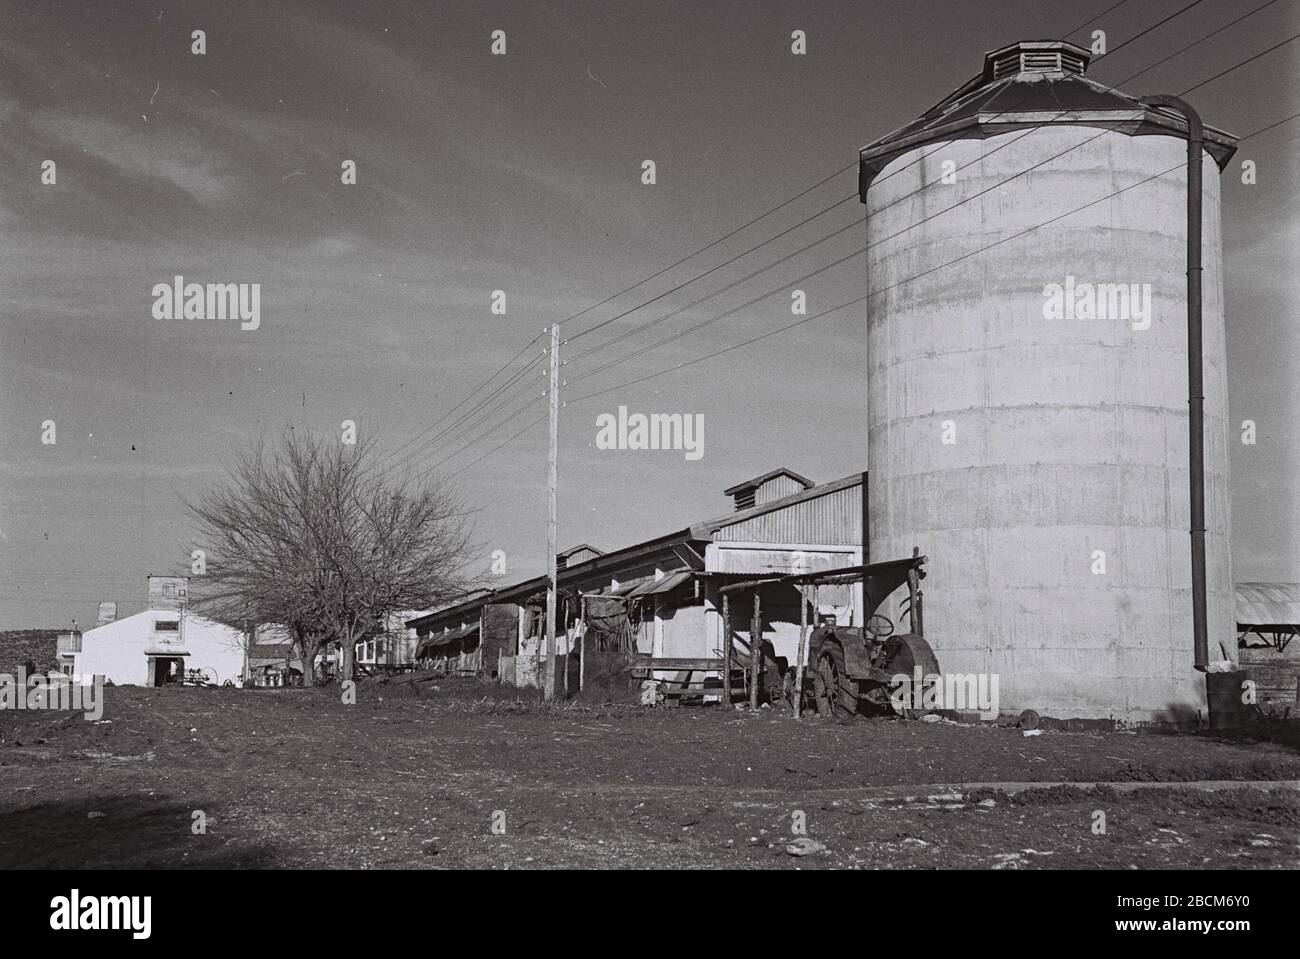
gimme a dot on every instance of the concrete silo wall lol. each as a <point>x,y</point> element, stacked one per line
<point>1066,436</point>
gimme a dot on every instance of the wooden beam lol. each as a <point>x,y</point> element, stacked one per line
<point>701,664</point>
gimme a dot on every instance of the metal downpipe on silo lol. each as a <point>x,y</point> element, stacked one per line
<point>1195,380</point>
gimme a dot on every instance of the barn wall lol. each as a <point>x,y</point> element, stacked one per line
<point>834,519</point>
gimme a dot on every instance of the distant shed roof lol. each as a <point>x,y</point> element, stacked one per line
<point>665,584</point>
<point>803,481</point>
<point>581,546</point>
<point>436,640</point>
<point>1268,604</point>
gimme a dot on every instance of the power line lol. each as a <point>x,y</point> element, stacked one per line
<point>702,249</point>
<point>1097,16</point>
<point>1159,23</point>
<point>526,428</point>
<point>513,413</point>
<point>853,255</point>
<point>923,156</point>
<point>1197,43</point>
<point>1242,64</point>
<point>642,327</point>
<point>505,366</point>
<point>691,329</point>
<point>459,421</point>
<point>860,299</point>
<point>711,270</point>
<point>710,245</point>
<point>749,276</point>
<point>784,203</point>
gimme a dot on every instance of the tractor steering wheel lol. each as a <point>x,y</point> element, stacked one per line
<point>880,626</point>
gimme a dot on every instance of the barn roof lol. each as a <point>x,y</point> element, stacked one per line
<point>1268,604</point>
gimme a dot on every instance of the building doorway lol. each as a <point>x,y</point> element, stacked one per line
<point>165,670</point>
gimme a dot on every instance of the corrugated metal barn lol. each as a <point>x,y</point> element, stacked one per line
<point>780,523</point>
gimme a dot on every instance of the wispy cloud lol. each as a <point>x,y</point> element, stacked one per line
<point>182,159</point>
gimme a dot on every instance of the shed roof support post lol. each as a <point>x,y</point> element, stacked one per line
<point>582,641</point>
<point>482,638</point>
<point>755,648</point>
<point>803,652</point>
<point>913,617</point>
<point>915,612</point>
<point>726,649</point>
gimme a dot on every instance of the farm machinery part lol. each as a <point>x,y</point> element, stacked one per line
<point>854,668</point>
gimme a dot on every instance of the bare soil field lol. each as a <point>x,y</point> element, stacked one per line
<point>469,775</point>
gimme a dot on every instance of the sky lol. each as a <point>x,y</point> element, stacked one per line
<point>521,173</point>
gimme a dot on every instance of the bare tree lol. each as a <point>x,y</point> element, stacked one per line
<point>311,534</point>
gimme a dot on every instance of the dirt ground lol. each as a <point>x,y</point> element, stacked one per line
<point>470,775</point>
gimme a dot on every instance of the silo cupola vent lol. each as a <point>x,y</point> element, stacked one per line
<point>1042,56</point>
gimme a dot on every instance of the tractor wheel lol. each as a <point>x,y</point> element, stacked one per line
<point>905,655</point>
<point>836,694</point>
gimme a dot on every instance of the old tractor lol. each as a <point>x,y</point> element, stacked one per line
<point>854,668</point>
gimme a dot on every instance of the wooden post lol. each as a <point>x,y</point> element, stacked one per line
<point>568,645</point>
<point>482,638</point>
<point>726,649</point>
<point>914,624</point>
<point>803,649</point>
<point>582,641</point>
<point>755,648</point>
<point>914,588</point>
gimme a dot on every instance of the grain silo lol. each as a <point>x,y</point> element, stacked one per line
<point>1028,391</point>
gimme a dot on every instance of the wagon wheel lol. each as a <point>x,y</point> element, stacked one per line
<point>834,700</point>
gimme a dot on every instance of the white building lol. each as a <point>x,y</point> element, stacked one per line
<point>164,640</point>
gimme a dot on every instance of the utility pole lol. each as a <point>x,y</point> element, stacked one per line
<point>552,457</point>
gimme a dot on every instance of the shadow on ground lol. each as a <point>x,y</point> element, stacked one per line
<point>1277,732</point>
<point>117,832</point>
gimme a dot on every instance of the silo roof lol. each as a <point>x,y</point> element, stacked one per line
<point>1028,84</point>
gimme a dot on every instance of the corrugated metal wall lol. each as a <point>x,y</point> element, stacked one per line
<point>833,520</point>
<point>775,488</point>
